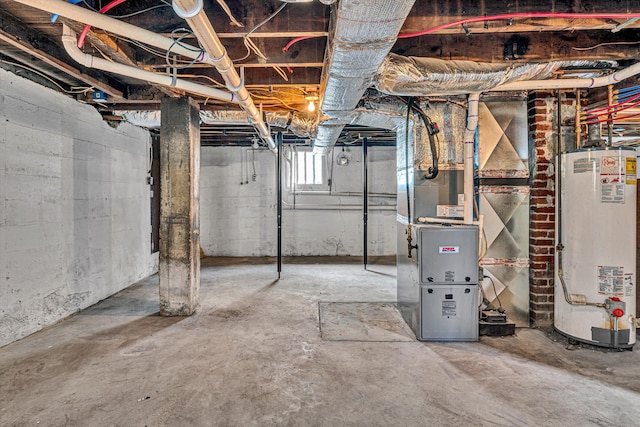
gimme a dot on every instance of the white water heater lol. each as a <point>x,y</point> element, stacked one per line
<point>595,261</point>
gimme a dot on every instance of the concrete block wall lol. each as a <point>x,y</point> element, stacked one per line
<point>240,219</point>
<point>74,207</point>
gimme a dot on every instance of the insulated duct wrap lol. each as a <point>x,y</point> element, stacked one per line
<point>300,125</point>
<point>363,33</point>
<point>411,76</point>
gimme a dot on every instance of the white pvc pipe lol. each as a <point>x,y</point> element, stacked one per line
<point>469,140</point>
<point>224,66</point>
<point>70,43</point>
<point>115,26</point>
<point>614,78</point>
<point>193,12</point>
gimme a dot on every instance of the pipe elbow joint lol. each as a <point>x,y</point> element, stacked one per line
<point>186,14</point>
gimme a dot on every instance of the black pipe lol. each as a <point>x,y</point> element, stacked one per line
<point>279,185</point>
<point>365,201</point>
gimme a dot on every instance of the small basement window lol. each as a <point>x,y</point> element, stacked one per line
<point>308,170</point>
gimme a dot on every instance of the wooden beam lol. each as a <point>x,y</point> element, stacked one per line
<point>525,47</point>
<point>432,14</point>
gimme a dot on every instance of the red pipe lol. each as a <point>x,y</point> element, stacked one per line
<point>498,17</point>
<point>606,113</point>
<point>86,28</point>
<point>522,15</point>
<point>633,98</point>
<point>613,119</point>
<point>296,40</point>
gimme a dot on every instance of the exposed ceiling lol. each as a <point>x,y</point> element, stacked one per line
<point>292,43</point>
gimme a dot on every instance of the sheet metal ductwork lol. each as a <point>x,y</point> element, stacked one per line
<point>362,36</point>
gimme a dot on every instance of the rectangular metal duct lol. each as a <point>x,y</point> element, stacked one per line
<point>363,34</point>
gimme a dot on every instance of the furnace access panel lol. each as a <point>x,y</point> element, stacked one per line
<point>448,255</point>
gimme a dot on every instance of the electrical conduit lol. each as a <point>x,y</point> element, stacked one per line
<point>193,12</point>
<point>71,46</point>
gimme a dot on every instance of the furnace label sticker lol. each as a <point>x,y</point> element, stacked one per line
<point>631,171</point>
<point>449,249</point>
<point>611,280</point>
<point>448,309</point>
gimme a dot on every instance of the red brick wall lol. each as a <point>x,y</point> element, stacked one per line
<point>542,139</point>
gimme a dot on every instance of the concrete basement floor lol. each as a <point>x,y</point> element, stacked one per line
<point>254,356</point>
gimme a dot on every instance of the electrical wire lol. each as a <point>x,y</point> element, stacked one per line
<point>605,44</point>
<point>129,15</point>
<point>87,27</point>
<point>432,130</point>
<point>249,44</point>
<point>511,16</point>
<point>494,290</point>
<point>179,42</point>
<point>44,76</point>
<point>202,76</point>
<point>500,17</point>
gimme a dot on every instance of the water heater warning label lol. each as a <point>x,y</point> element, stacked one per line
<point>611,280</point>
<point>448,309</point>
<point>586,164</point>
<point>612,179</point>
<point>631,171</point>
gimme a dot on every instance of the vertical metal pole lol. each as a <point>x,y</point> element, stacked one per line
<point>365,201</point>
<point>279,172</point>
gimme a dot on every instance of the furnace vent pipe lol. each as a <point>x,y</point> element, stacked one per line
<point>469,139</point>
<point>193,12</point>
<point>215,57</point>
<point>70,43</point>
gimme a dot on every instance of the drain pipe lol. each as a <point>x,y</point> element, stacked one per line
<point>70,44</point>
<point>469,139</point>
<point>193,12</point>
<point>121,28</point>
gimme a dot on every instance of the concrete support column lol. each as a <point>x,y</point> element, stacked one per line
<point>180,207</point>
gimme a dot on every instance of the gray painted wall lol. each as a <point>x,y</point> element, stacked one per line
<point>240,219</point>
<point>74,207</point>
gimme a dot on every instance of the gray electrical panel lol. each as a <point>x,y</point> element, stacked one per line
<point>438,284</point>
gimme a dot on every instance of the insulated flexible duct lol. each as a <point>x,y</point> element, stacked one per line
<point>363,34</point>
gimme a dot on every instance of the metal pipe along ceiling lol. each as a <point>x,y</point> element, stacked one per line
<point>193,12</point>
